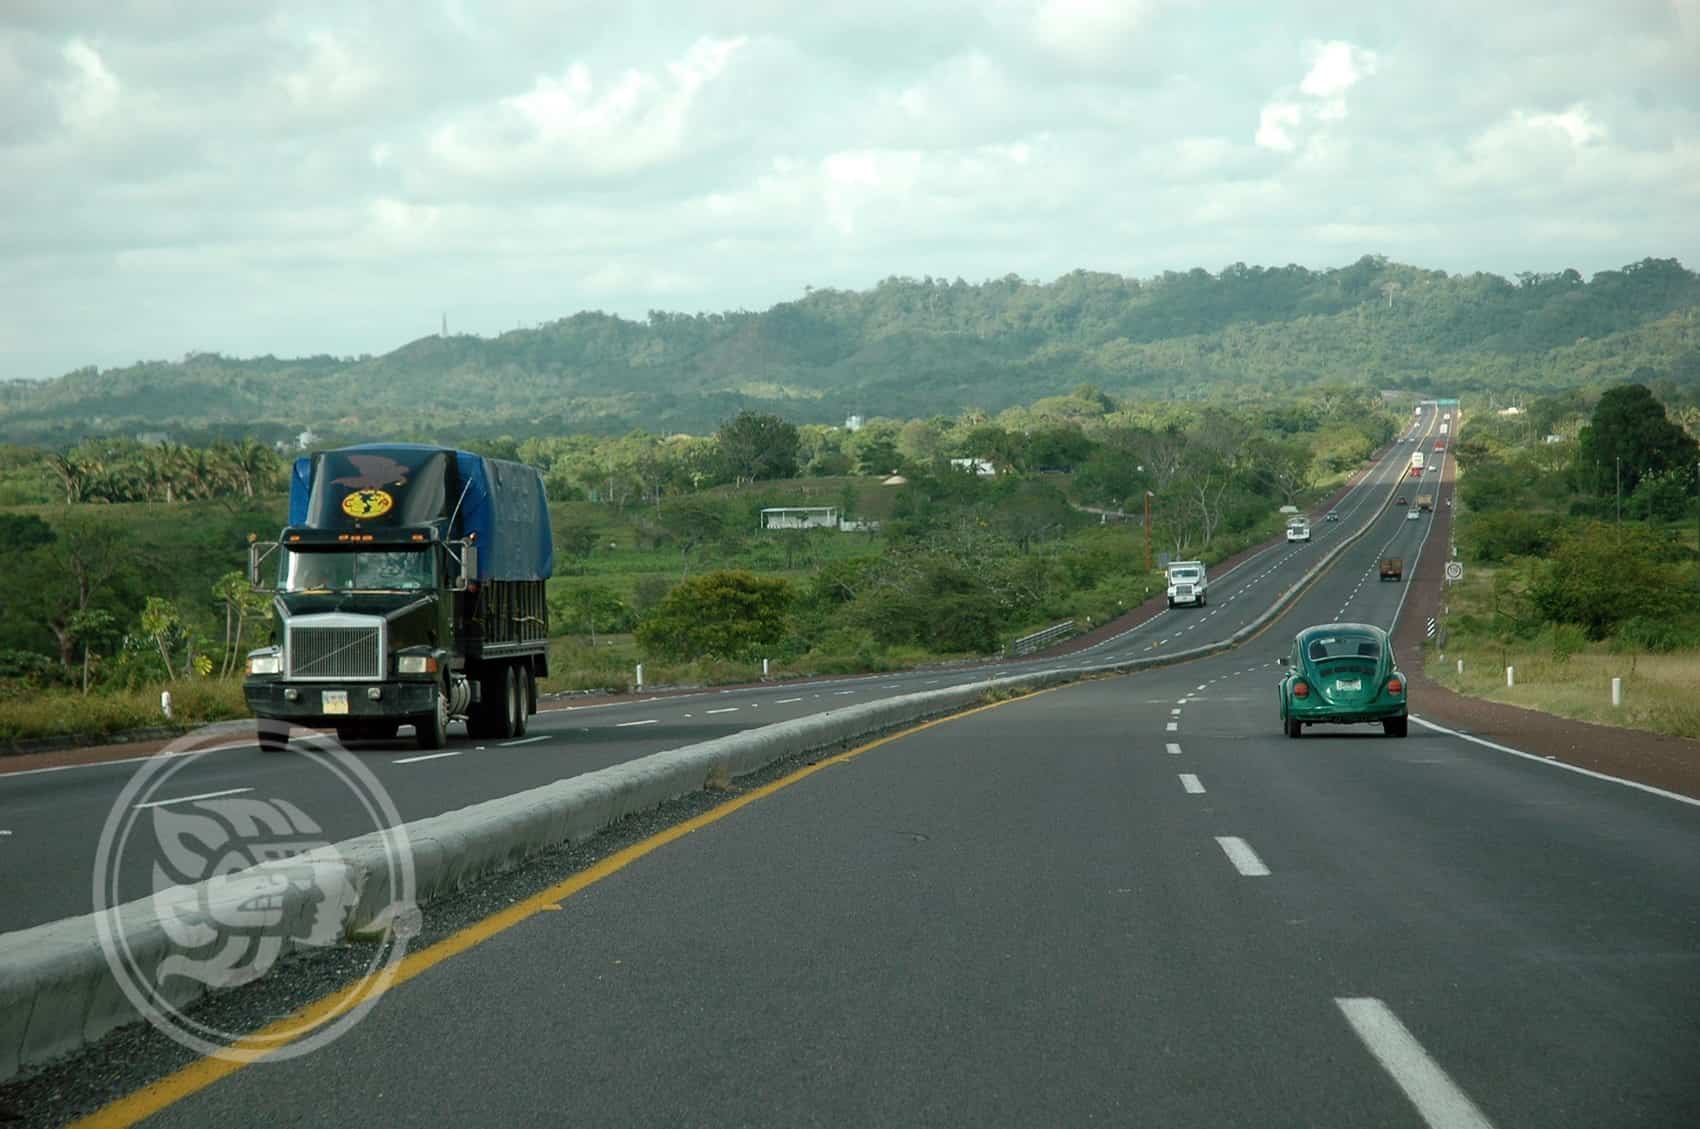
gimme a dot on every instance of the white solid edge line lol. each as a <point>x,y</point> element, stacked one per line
<point>428,757</point>
<point>1245,859</point>
<point>1438,1100</point>
<point>1636,784</point>
<point>124,760</point>
<point>728,709</point>
<point>1190,784</point>
<point>525,740</point>
<point>1172,749</point>
<point>645,721</point>
<point>198,796</point>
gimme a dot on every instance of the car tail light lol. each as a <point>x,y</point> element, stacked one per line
<point>1301,689</point>
<point>1394,686</point>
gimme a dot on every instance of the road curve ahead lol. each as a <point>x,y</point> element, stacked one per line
<point>55,816</point>
<point>1127,901</point>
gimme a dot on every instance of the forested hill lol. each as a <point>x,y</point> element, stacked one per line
<point>915,348</point>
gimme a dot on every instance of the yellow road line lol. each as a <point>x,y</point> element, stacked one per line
<point>204,1072</point>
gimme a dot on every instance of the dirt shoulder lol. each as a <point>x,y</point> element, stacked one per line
<point>1671,763</point>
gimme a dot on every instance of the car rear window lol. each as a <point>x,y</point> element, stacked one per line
<point>1343,647</point>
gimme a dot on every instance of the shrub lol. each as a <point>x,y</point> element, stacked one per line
<point>729,614</point>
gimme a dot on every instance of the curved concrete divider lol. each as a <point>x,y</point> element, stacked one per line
<point>57,993</point>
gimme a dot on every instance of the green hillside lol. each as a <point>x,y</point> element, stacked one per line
<point>913,348</point>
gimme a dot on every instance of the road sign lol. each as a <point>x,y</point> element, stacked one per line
<point>1454,570</point>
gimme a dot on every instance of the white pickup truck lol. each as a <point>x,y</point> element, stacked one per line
<point>1188,583</point>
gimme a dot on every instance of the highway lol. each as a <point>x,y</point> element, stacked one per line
<point>54,816</point>
<point>1126,901</point>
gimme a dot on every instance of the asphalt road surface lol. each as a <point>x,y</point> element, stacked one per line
<point>53,817</point>
<point>1127,901</point>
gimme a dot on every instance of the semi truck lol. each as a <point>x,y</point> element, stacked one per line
<point>1425,503</point>
<point>1189,583</point>
<point>408,589</point>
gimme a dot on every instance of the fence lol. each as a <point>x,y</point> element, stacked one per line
<point>1027,644</point>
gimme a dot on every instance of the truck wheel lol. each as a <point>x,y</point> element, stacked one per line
<point>511,722</point>
<point>1201,601</point>
<point>1395,726</point>
<point>431,731</point>
<point>499,703</point>
<point>273,736</point>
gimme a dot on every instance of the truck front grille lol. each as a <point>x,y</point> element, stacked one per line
<point>336,652</point>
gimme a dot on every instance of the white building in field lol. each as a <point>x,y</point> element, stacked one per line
<point>800,517</point>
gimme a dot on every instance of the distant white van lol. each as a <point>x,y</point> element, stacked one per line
<point>1188,583</point>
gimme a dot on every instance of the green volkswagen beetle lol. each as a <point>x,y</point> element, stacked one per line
<point>1341,673</point>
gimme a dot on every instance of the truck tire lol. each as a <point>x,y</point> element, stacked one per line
<point>348,734</point>
<point>1201,600</point>
<point>431,731</point>
<point>530,690</point>
<point>495,716</point>
<point>273,737</point>
<point>522,699</point>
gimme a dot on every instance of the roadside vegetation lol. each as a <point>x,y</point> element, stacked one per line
<point>1578,529</point>
<point>121,563</point>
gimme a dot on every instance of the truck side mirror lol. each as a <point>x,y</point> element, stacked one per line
<point>258,551</point>
<point>1282,661</point>
<point>468,574</point>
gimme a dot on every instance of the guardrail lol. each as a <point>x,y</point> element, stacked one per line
<point>1027,644</point>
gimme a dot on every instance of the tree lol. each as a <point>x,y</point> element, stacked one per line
<point>241,605</point>
<point>577,540</point>
<point>162,624</point>
<point>730,614</point>
<point>1598,575</point>
<point>91,627</point>
<point>1630,428</point>
<point>757,445</point>
<point>692,523</point>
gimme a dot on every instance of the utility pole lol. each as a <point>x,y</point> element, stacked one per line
<point>1148,531</point>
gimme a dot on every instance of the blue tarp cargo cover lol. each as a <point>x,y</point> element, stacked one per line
<point>501,504</point>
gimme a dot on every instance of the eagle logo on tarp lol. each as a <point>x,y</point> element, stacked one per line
<point>366,497</point>
<point>367,503</point>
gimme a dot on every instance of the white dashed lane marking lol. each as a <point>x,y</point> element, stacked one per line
<point>1245,859</point>
<point>1190,784</point>
<point>645,721</point>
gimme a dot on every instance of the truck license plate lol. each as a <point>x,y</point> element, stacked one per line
<point>1344,684</point>
<point>333,701</point>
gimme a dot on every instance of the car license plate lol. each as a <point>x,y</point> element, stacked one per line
<point>1351,684</point>
<point>333,701</point>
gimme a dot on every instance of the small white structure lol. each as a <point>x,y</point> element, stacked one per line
<point>894,480</point>
<point>306,439</point>
<point>853,423</point>
<point>981,467</point>
<point>800,517</point>
<point>1511,411</point>
<point>856,525</point>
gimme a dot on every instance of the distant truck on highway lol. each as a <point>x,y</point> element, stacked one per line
<point>1298,529</point>
<point>409,590</point>
<point>1189,583</point>
<point>1425,503</point>
<point>1416,464</point>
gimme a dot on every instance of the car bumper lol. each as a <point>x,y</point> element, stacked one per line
<point>1334,716</point>
<point>396,700</point>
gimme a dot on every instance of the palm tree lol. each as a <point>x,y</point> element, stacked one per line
<point>253,464</point>
<point>72,474</point>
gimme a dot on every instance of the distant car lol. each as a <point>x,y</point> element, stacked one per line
<point>1413,515</point>
<point>1400,501</point>
<point>1332,516</point>
<point>1342,674</point>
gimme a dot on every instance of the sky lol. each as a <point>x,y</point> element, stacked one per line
<point>257,178</point>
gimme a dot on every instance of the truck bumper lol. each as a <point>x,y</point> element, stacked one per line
<point>396,701</point>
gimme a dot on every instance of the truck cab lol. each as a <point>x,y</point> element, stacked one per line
<point>1189,583</point>
<point>1298,529</point>
<point>408,589</point>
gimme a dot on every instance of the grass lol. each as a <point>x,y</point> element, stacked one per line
<point>1658,689</point>
<point>25,715</point>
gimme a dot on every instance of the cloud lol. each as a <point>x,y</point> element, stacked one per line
<point>1335,68</point>
<point>320,177</point>
<point>90,94</point>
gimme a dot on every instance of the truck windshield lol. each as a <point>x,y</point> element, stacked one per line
<point>1185,574</point>
<point>344,571</point>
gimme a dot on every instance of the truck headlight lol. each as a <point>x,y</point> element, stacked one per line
<point>265,664</point>
<point>415,664</point>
